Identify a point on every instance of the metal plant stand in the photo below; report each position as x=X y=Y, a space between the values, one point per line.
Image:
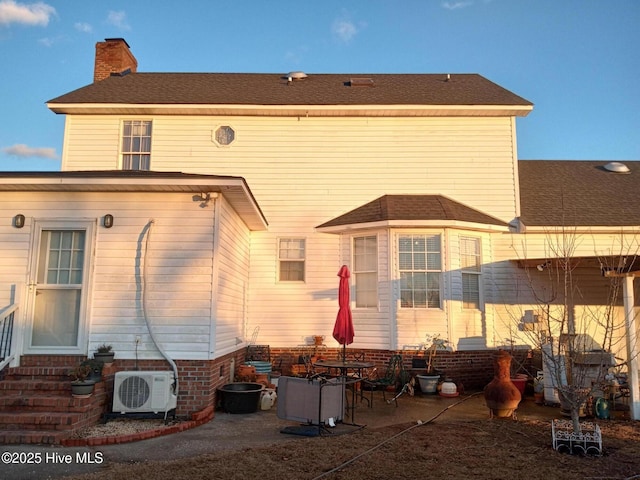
x=587 y=442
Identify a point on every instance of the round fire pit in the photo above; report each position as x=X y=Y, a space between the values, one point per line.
x=241 y=397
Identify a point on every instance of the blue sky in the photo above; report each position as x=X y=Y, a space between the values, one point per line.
x=576 y=60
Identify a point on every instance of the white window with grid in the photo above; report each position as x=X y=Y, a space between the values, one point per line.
x=471 y=267
x=136 y=145
x=365 y=271
x=420 y=266
x=291 y=259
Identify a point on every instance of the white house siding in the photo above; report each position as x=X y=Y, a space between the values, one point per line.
x=178 y=267
x=14 y=251
x=343 y=161
x=91 y=143
x=231 y=277
x=305 y=171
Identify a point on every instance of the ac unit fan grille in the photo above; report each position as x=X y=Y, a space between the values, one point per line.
x=134 y=392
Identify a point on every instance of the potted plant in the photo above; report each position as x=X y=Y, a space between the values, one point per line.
x=538 y=390
x=104 y=353
x=429 y=381
x=96 y=369
x=81 y=385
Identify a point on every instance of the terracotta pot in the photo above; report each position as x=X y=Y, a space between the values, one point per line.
x=501 y=395
x=520 y=381
x=246 y=369
x=246 y=372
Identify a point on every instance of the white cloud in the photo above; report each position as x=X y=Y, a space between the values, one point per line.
x=83 y=27
x=24 y=151
x=296 y=54
x=51 y=41
x=26 y=14
x=46 y=41
x=344 y=30
x=456 y=5
x=118 y=19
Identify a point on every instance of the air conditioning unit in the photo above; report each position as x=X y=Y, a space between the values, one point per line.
x=143 y=392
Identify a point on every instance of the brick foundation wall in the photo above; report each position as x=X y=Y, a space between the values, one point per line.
x=473 y=369
x=198 y=379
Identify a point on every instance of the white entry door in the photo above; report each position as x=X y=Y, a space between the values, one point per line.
x=57 y=289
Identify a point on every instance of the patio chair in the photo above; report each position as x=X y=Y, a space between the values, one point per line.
x=392 y=377
x=357 y=377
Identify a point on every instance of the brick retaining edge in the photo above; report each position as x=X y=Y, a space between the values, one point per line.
x=198 y=418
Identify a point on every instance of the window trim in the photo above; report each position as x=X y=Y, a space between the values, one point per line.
x=355 y=272
x=121 y=151
x=303 y=260
x=439 y=273
x=472 y=272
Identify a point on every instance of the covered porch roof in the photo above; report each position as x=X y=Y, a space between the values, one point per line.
x=608 y=265
x=234 y=189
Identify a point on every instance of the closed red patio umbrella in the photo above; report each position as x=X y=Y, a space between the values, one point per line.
x=343 y=329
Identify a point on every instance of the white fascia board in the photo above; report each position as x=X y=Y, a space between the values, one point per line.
x=234 y=189
x=476 y=227
x=291 y=110
x=89 y=182
x=582 y=229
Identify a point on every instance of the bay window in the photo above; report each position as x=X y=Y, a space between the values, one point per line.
x=365 y=271
x=470 y=264
x=420 y=266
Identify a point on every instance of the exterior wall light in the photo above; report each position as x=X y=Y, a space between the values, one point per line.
x=18 y=221
x=107 y=221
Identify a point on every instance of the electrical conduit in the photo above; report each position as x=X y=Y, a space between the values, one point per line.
x=146 y=232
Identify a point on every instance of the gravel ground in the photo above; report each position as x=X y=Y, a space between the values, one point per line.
x=122 y=426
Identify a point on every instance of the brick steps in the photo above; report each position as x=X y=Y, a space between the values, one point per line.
x=36 y=405
x=8 y=437
x=38 y=420
x=38 y=373
x=31 y=387
x=43 y=403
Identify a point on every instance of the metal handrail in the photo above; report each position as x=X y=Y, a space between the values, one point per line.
x=6 y=331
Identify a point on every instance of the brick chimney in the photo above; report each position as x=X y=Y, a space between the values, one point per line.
x=113 y=56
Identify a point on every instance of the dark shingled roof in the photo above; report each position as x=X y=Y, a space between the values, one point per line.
x=578 y=193
x=412 y=207
x=273 y=89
